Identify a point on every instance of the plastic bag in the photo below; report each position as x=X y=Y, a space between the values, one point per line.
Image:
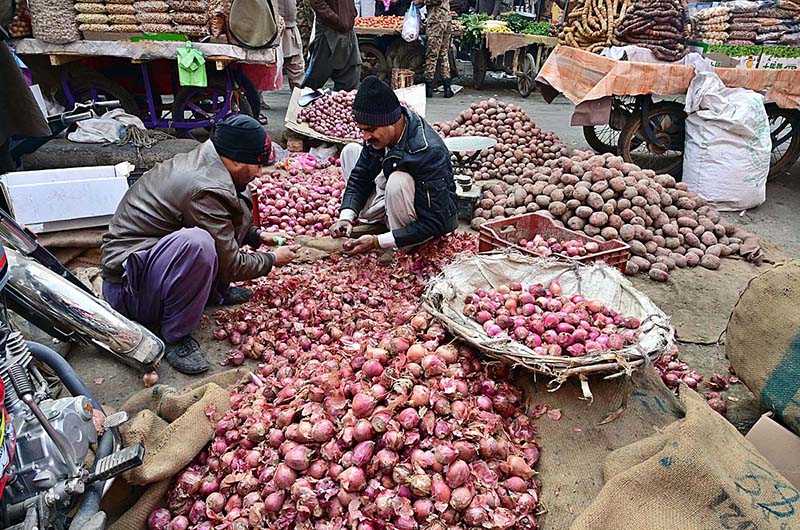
x=411 y=24
x=727 y=152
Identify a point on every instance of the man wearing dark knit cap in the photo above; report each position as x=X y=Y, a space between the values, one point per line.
x=401 y=177
x=174 y=243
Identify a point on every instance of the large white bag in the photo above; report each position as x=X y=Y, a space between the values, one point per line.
x=727 y=152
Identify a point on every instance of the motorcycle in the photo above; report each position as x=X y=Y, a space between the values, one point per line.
x=47 y=482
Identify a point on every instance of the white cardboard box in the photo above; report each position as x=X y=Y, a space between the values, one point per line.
x=779 y=445
x=63 y=199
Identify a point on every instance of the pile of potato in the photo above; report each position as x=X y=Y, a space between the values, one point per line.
x=521 y=146
x=665 y=225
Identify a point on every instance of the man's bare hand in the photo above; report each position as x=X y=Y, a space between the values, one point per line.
x=285 y=255
x=341 y=228
x=363 y=244
x=272 y=238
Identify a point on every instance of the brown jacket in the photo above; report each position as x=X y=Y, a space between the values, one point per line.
x=337 y=14
x=288 y=10
x=192 y=189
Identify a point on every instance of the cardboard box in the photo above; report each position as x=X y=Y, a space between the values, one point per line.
x=779 y=445
x=770 y=62
x=720 y=60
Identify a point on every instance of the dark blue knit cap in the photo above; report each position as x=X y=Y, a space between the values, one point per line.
x=241 y=138
x=376 y=104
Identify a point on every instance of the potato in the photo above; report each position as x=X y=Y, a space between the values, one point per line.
x=658 y=265
x=682 y=186
x=733 y=248
x=708 y=239
x=631 y=268
x=615 y=221
x=671 y=211
x=725 y=251
x=608 y=194
x=660 y=241
x=617 y=184
x=497 y=210
x=666 y=200
x=583 y=212
x=698 y=230
x=709 y=261
x=627 y=214
x=477 y=222
x=609 y=233
x=572 y=204
x=713 y=215
x=651 y=247
x=538 y=188
x=640 y=262
x=637 y=248
x=532 y=207
x=692 y=240
x=672 y=242
x=557 y=208
x=658 y=275
x=557 y=195
x=581 y=193
x=600 y=187
x=638 y=221
x=510 y=212
x=595 y=201
x=670 y=230
x=714 y=250
x=668 y=261
x=719 y=231
x=591 y=230
x=661 y=251
x=543 y=200
x=687 y=222
x=519 y=196
x=627 y=232
x=598 y=219
x=607 y=209
x=630 y=192
x=692 y=259
x=576 y=223
x=639 y=201
x=661 y=220
x=686 y=203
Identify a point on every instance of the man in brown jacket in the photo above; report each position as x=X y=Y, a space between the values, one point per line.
x=334 y=51
x=174 y=243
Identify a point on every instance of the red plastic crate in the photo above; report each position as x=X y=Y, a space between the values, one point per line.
x=507 y=232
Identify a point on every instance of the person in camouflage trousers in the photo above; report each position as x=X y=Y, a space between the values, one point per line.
x=305 y=22
x=438 y=34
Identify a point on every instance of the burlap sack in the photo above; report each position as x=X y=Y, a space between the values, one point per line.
x=174 y=428
x=697 y=474
x=763 y=340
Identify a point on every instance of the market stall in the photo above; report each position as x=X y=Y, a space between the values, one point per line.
x=146 y=60
x=383 y=48
x=618 y=93
x=515 y=45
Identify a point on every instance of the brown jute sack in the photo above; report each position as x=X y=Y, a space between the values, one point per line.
x=763 y=340
x=174 y=427
x=697 y=474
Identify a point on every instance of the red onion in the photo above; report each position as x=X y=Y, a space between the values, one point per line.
x=461 y=497
x=284 y=476
x=457 y=474
x=362 y=454
x=352 y=479
x=178 y=523
x=298 y=458
x=158 y=519
x=363 y=405
x=408 y=418
x=420 y=485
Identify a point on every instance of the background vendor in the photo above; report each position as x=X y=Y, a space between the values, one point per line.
x=174 y=243
x=334 y=53
x=402 y=175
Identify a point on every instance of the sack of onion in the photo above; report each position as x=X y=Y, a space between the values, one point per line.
x=546 y=308
x=413 y=432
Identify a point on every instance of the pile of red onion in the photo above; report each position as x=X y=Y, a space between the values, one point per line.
x=549 y=322
x=304 y=202
x=412 y=432
x=673 y=371
x=332 y=115
x=547 y=247
x=334 y=299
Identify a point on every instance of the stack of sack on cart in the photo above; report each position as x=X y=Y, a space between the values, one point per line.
x=711 y=25
x=745 y=23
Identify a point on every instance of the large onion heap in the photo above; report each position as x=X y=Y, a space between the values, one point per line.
x=304 y=202
x=665 y=224
x=333 y=300
x=413 y=433
x=548 y=322
x=521 y=146
x=332 y=115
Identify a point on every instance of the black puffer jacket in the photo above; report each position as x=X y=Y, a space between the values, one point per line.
x=421 y=153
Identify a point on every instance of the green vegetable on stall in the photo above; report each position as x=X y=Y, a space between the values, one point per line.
x=473 y=27
x=520 y=24
x=785 y=52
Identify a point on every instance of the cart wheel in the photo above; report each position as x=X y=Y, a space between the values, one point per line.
x=479 y=66
x=525 y=74
x=668 y=120
x=784 y=127
x=373 y=62
x=89 y=85
x=198 y=104
x=601 y=138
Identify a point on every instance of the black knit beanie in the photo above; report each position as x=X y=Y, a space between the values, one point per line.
x=241 y=138
x=376 y=104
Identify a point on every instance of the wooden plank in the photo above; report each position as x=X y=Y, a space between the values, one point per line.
x=59 y=60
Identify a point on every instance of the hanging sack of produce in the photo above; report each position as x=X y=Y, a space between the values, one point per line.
x=252 y=23
x=727 y=152
x=54 y=21
x=763 y=340
x=411 y=24
x=698 y=473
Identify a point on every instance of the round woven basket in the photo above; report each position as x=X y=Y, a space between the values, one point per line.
x=444 y=299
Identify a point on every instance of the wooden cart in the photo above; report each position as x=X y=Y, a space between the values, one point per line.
x=516 y=54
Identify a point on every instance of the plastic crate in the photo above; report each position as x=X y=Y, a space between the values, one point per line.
x=507 y=232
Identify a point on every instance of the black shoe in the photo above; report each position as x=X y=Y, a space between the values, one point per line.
x=186 y=356
x=236 y=296
x=428 y=89
x=448 y=90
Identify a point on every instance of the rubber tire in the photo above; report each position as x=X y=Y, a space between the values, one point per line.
x=84 y=80
x=185 y=93
x=626 y=137
x=793 y=152
x=381 y=70
x=597 y=145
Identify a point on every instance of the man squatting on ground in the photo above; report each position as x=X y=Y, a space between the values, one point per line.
x=174 y=243
x=402 y=175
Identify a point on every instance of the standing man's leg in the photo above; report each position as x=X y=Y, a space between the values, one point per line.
x=167 y=287
x=347 y=78
x=295 y=69
x=432 y=46
x=444 y=57
x=319 y=68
